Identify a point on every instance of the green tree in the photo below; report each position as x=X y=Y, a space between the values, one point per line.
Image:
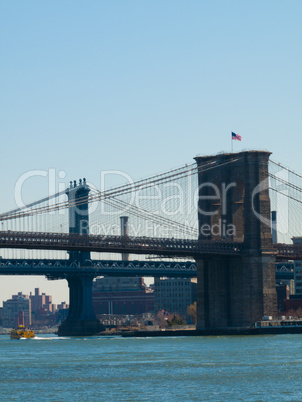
x=176 y=320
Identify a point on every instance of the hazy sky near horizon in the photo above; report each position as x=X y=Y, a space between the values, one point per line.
x=142 y=87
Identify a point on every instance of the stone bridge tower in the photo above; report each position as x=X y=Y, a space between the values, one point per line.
x=234 y=205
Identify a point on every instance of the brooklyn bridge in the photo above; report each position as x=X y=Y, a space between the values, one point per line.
x=211 y=219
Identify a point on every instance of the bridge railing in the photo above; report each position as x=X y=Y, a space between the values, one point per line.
x=101 y=243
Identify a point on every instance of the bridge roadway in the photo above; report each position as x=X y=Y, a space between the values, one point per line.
x=117 y=244
x=288 y=251
x=135 y=245
x=60 y=269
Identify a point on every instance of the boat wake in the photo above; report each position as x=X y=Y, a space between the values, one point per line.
x=49 y=338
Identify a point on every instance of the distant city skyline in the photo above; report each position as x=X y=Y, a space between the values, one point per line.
x=30 y=293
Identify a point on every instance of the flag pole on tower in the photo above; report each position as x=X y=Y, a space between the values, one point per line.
x=235 y=137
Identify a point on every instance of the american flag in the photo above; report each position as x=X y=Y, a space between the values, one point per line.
x=236 y=136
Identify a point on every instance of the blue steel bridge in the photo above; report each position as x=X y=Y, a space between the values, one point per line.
x=160 y=223
x=58 y=269
x=55 y=269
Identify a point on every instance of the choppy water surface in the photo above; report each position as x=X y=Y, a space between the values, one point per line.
x=249 y=368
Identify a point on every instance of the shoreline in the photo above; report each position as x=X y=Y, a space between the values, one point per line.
x=268 y=330
x=216 y=332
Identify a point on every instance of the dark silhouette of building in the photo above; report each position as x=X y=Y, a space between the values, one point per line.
x=174 y=295
x=121 y=296
x=282 y=295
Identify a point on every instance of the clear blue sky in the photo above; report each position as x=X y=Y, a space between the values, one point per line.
x=143 y=86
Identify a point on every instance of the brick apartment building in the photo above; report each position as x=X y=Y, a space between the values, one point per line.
x=13 y=307
x=122 y=296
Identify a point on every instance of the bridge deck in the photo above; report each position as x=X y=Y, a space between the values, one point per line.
x=134 y=245
x=60 y=269
x=57 y=269
x=288 y=251
x=116 y=244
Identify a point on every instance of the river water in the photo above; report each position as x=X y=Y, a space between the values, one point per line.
x=240 y=368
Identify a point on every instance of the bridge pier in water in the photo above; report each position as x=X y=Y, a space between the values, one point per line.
x=236 y=291
x=81 y=320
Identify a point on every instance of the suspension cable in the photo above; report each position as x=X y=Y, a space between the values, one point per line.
x=120 y=190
